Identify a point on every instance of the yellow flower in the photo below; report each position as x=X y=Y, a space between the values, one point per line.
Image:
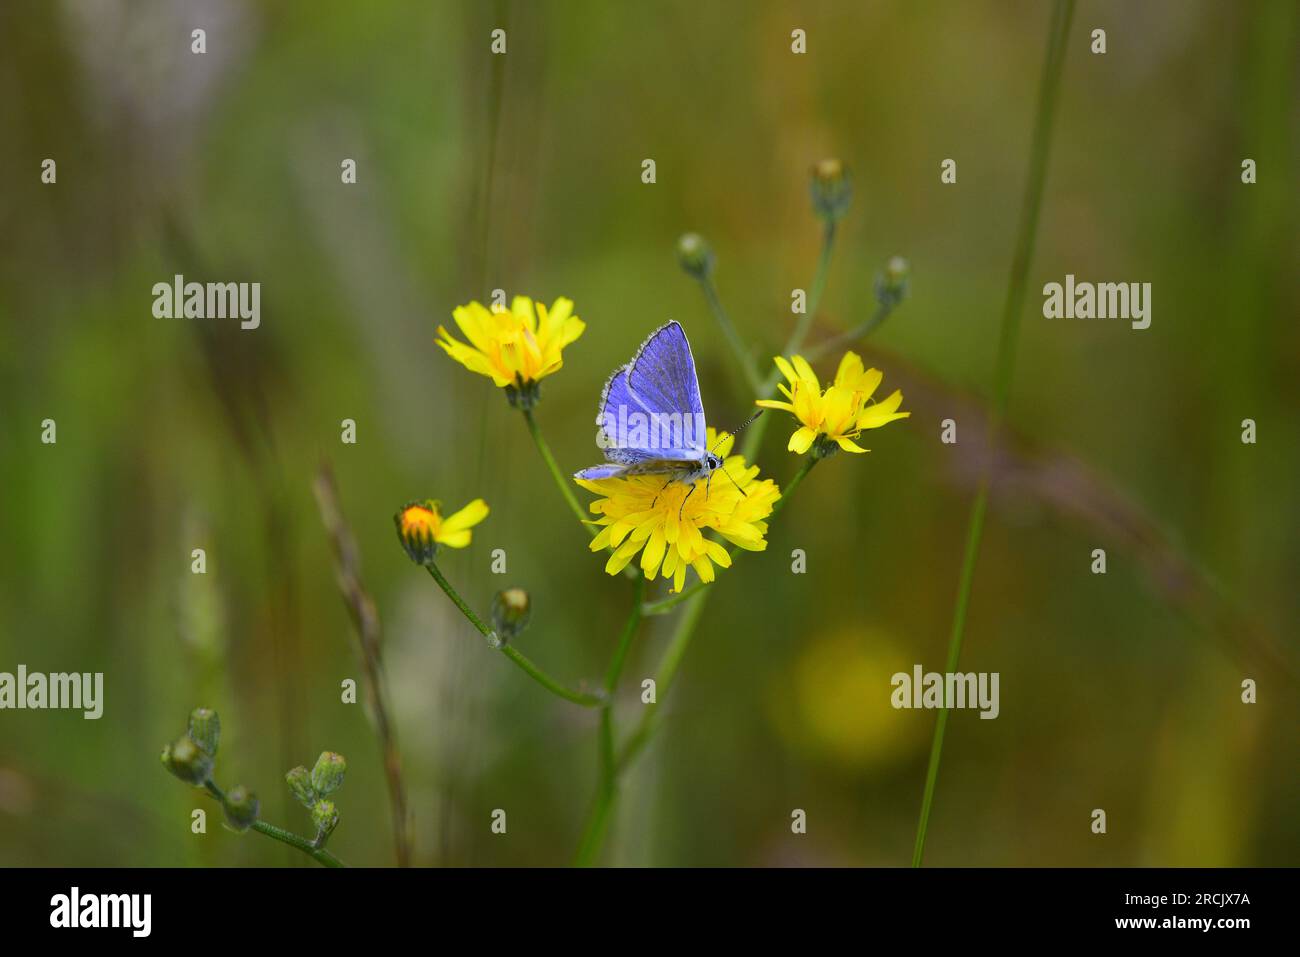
x=421 y=527
x=653 y=515
x=842 y=411
x=515 y=347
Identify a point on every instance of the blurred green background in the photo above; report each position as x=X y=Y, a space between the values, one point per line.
x=523 y=172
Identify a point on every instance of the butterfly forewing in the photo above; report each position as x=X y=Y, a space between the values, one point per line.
x=661 y=376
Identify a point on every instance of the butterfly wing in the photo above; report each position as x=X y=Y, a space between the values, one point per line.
x=661 y=378
x=659 y=382
x=597 y=472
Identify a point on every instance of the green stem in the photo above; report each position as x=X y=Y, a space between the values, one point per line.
x=318 y=854
x=664 y=677
x=565 y=486
x=743 y=357
x=1049 y=87
x=593 y=832
x=754 y=436
x=616 y=664
x=549 y=683
x=518 y=657
x=835 y=343
x=695 y=597
x=804 y=325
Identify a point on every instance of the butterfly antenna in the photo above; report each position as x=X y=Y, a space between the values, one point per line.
x=723 y=437
x=733 y=481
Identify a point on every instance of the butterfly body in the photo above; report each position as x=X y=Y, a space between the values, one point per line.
x=651 y=418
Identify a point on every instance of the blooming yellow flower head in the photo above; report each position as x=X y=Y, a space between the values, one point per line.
x=421 y=527
x=654 y=515
x=516 y=347
x=841 y=412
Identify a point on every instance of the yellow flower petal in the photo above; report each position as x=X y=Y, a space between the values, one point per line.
x=455 y=539
x=802 y=440
x=806 y=373
x=786 y=369
x=467 y=517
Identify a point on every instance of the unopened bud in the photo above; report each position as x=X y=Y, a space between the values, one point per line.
x=240 y=806
x=831 y=189
x=695 y=255
x=511 y=610
x=300 y=784
x=892 y=282
x=326 y=817
x=205 y=730
x=187 y=761
x=327 y=775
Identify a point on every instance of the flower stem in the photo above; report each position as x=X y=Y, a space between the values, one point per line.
x=743 y=357
x=593 y=833
x=319 y=854
x=754 y=436
x=564 y=485
x=804 y=325
x=696 y=597
x=518 y=657
x=1049 y=86
x=835 y=343
x=550 y=684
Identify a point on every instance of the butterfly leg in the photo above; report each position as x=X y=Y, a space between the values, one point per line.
x=688 y=495
x=655 y=500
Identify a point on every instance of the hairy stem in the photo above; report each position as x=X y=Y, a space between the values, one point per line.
x=593 y=833
x=835 y=343
x=318 y=854
x=754 y=437
x=564 y=484
x=1008 y=337
x=518 y=657
x=743 y=357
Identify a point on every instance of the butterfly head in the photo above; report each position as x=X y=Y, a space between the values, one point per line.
x=711 y=462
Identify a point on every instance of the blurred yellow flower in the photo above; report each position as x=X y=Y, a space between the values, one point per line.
x=653 y=515
x=515 y=347
x=832 y=700
x=842 y=411
x=421 y=527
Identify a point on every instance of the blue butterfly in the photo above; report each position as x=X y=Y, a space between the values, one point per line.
x=651 y=419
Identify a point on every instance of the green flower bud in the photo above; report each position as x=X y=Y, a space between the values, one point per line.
x=240 y=806
x=695 y=255
x=205 y=730
x=831 y=189
x=511 y=610
x=892 y=283
x=327 y=775
x=187 y=761
x=326 y=817
x=300 y=784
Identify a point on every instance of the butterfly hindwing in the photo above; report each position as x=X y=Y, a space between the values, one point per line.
x=597 y=472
